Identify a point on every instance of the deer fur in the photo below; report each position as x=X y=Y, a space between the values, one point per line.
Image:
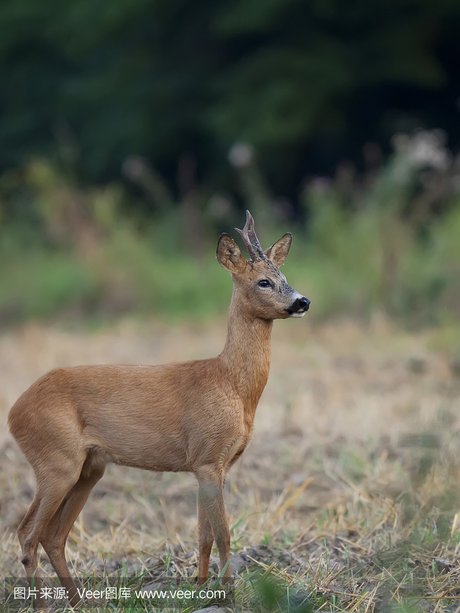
x=193 y=416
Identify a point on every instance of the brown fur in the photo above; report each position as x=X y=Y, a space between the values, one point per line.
x=193 y=416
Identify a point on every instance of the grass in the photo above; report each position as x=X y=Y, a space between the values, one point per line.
x=127 y=273
x=77 y=253
x=346 y=500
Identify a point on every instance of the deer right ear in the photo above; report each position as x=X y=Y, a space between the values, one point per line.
x=229 y=254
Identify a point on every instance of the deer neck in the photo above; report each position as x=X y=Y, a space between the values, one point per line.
x=246 y=354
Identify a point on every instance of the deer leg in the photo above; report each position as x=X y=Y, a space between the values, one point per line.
x=55 y=538
x=210 y=496
x=205 y=539
x=24 y=526
x=29 y=561
x=49 y=496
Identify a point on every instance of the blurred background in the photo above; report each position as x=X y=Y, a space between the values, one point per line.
x=133 y=132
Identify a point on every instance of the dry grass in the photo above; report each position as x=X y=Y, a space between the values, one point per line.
x=346 y=500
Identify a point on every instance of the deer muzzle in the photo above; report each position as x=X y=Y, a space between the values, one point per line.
x=299 y=307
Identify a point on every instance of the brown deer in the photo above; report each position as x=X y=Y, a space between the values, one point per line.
x=192 y=416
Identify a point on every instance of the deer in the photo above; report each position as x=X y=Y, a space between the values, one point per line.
x=194 y=416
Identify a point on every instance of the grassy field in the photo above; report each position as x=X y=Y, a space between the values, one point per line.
x=347 y=499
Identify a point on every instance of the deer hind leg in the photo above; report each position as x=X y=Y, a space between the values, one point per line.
x=55 y=538
x=211 y=498
x=24 y=526
x=52 y=488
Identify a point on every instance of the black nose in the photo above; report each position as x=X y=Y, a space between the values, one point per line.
x=301 y=304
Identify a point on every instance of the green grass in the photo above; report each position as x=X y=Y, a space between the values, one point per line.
x=86 y=254
x=126 y=274
x=39 y=284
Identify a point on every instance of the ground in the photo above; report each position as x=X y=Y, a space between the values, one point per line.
x=347 y=498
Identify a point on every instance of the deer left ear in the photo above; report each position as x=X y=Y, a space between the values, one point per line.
x=278 y=252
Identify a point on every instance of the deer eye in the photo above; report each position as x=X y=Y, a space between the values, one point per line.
x=264 y=283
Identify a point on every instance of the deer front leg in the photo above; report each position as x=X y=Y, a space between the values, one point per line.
x=205 y=541
x=211 y=501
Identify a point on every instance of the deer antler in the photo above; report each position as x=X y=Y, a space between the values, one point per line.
x=251 y=241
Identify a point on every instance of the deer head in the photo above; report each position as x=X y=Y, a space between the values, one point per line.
x=262 y=289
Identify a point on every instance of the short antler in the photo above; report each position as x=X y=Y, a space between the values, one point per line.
x=251 y=241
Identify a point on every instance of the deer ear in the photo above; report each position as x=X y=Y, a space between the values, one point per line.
x=229 y=254
x=278 y=251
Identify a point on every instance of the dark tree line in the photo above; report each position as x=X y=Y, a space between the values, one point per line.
x=306 y=83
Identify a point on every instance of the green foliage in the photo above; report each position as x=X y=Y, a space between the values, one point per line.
x=385 y=251
x=40 y=284
x=89 y=252
x=273 y=594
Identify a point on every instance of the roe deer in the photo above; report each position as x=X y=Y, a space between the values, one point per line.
x=192 y=416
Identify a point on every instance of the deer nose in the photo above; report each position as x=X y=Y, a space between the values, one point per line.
x=300 y=305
